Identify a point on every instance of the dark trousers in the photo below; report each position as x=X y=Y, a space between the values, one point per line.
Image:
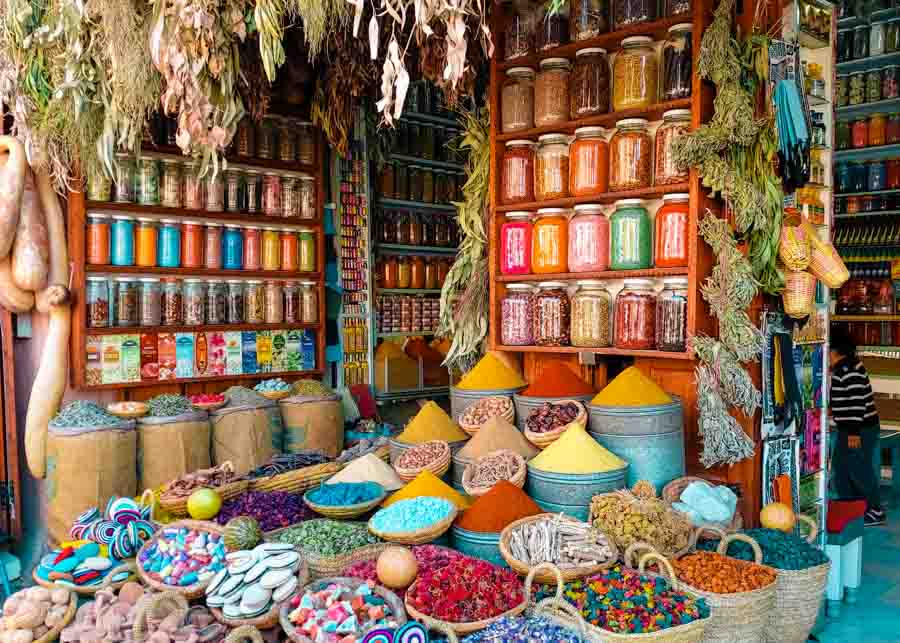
x=853 y=471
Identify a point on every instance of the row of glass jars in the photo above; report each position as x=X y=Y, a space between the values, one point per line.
x=588 y=165
x=868 y=40
x=560 y=92
x=405 y=314
x=416 y=229
x=639 y=319
x=868 y=86
x=875 y=130
x=872 y=176
x=426 y=141
x=401 y=271
x=552 y=242
x=173 y=183
x=873 y=202
x=122 y=240
x=534 y=29
x=148 y=301
x=400 y=180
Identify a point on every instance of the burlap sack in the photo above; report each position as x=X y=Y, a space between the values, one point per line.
x=243 y=435
x=313 y=423
x=86 y=466
x=169 y=447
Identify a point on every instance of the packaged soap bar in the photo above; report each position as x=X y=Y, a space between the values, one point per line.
x=167 y=356
x=279 y=351
x=149 y=357
x=112 y=359
x=264 y=351
x=215 y=344
x=308 y=348
x=184 y=355
x=93 y=361
x=248 y=352
x=293 y=350
x=234 y=360
x=201 y=355
x=131 y=358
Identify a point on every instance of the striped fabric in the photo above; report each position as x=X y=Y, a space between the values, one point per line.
x=852 y=400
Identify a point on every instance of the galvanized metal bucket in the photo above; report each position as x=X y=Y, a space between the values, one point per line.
x=457 y=468
x=571 y=489
x=525 y=405
x=637 y=420
x=461 y=399
x=479 y=545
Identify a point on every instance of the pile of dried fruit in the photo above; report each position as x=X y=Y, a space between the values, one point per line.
x=549 y=416
x=720 y=574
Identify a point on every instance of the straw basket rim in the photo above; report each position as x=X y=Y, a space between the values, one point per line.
x=419 y=536
x=54 y=632
x=508 y=414
x=321 y=566
x=297 y=480
x=344 y=511
x=191 y=591
x=209 y=407
x=269 y=619
x=438 y=466
x=227 y=491
x=129 y=565
x=544 y=439
x=568 y=574
x=518 y=478
x=275 y=395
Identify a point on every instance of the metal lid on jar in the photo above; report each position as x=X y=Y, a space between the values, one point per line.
x=214 y=281
x=149 y=280
x=590 y=50
x=250 y=170
x=290 y=230
x=591 y=283
x=97 y=216
x=590 y=132
x=520 y=71
x=516 y=143
x=551 y=212
x=555 y=137
x=96 y=278
x=519 y=287
x=236 y=282
x=170 y=161
x=213 y=224
x=549 y=63
x=124 y=280
x=122 y=217
x=681 y=26
x=192 y=222
x=677 y=114
x=639 y=283
x=589 y=208
x=675 y=282
x=193 y=280
x=251 y=227
x=303 y=176
x=629 y=203
x=632 y=122
x=551 y=284
x=303 y=229
x=681 y=196
x=254 y=282
x=146 y=220
x=170 y=221
x=633 y=41
x=519 y=215
x=307 y=283
x=232 y=226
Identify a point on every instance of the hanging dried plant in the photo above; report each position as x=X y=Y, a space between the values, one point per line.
x=254 y=86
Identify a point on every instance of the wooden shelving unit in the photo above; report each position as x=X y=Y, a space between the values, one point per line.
x=203 y=272
x=246 y=218
x=129 y=330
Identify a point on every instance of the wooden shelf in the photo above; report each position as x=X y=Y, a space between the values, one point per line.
x=400 y=204
x=652 y=113
x=420 y=333
x=598 y=351
x=409 y=291
x=865 y=318
x=204 y=328
x=399 y=248
x=250 y=218
x=437 y=165
x=202 y=380
x=203 y=272
x=242 y=161
x=654 y=192
x=605 y=274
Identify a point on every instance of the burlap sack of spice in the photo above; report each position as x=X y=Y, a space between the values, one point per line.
x=85 y=468
x=242 y=435
x=169 y=447
x=313 y=423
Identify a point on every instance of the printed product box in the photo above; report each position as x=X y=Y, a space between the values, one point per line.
x=264 y=351
x=184 y=355
x=308 y=348
x=234 y=360
x=215 y=343
x=112 y=359
x=131 y=358
x=93 y=362
x=149 y=357
x=201 y=355
x=248 y=352
x=168 y=359
x=293 y=351
x=279 y=351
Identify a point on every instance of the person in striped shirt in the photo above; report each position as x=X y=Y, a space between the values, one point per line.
x=853 y=412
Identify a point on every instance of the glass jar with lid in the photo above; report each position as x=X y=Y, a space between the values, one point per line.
x=271 y=249
x=678 y=58
x=551 y=92
x=860 y=42
x=252 y=190
x=401 y=181
x=271 y=194
x=552 y=28
x=265 y=138
x=194 y=187
x=307 y=250
x=216 y=302
x=98 y=240
x=307 y=194
x=126 y=302
x=588 y=239
x=417 y=272
x=252 y=248
x=589 y=162
x=630 y=162
x=552 y=167
x=171 y=184
x=291 y=302
x=519 y=37
x=442 y=186
x=274 y=306
x=254 y=302
x=244 y=138
x=215 y=191
x=551 y=320
x=842 y=90
x=194 y=302
x=99 y=186
x=856 y=88
x=235 y=308
x=232 y=247
x=515 y=244
x=290 y=249
x=672 y=231
x=633 y=12
x=873 y=85
x=589 y=84
x=877 y=129
x=636 y=315
x=150 y=302
x=517 y=99
x=414 y=179
x=588 y=19
x=427 y=185
x=234 y=190
x=389 y=272
x=98 y=308
x=550 y=241
x=122 y=240
x=676 y=122
x=431 y=274
x=147 y=180
x=414 y=223
x=287 y=140
x=442 y=232
x=172 y=305
x=517 y=172
x=124 y=175
x=635 y=74
x=631 y=236
x=516 y=315
x=671 y=315
x=306 y=143
x=168 y=251
x=877 y=35
x=404 y=273
x=192 y=244
x=309 y=302
x=591 y=315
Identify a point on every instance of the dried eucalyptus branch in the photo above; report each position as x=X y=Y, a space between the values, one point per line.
x=724 y=441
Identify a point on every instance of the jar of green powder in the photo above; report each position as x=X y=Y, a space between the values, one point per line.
x=631 y=236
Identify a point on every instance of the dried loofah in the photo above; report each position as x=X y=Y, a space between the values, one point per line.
x=644 y=489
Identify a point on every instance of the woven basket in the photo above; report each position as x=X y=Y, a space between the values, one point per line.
x=347 y=511
x=228 y=491
x=825 y=262
x=390 y=598
x=67 y=618
x=270 y=619
x=438 y=466
x=298 y=480
x=90 y=590
x=322 y=566
x=509 y=414
x=546 y=577
x=419 y=536
x=740 y=617
x=518 y=478
x=691 y=541
x=794 y=247
x=671 y=493
x=384 y=453
x=799 y=293
x=244 y=633
x=544 y=440
x=275 y=395
x=191 y=591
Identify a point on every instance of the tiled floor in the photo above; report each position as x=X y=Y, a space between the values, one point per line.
x=876 y=616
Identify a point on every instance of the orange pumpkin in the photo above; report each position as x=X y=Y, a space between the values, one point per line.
x=777 y=515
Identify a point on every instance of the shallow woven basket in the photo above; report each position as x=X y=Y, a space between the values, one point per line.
x=544 y=440
x=799 y=293
x=390 y=598
x=825 y=262
x=85 y=590
x=191 y=591
x=541 y=575
x=68 y=617
x=517 y=479
x=322 y=566
x=419 y=536
x=298 y=480
x=275 y=395
x=509 y=414
x=345 y=512
x=228 y=491
x=270 y=619
x=439 y=466
x=671 y=493
x=739 y=617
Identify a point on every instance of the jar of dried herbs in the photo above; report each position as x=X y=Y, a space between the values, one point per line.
x=194 y=302
x=309 y=302
x=274 y=308
x=306 y=143
x=633 y=12
x=677 y=60
x=148 y=180
x=291 y=302
x=676 y=122
x=265 y=139
x=254 y=302
x=552 y=167
x=591 y=315
x=216 y=302
x=519 y=37
x=635 y=74
x=551 y=322
x=172 y=307
x=588 y=18
x=552 y=29
x=171 y=184
x=97 y=302
x=235 y=304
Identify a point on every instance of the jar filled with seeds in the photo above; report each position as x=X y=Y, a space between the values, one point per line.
x=519 y=37
x=148 y=180
x=265 y=139
x=677 y=60
x=873 y=85
x=150 y=302
x=591 y=315
x=589 y=85
x=842 y=90
x=97 y=302
x=194 y=188
x=636 y=315
x=588 y=18
x=252 y=190
x=516 y=316
x=234 y=198
x=215 y=191
x=171 y=184
x=309 y=302
x=124 y=181
x=235 y=308
x=857 y=90
x=291 y=302
x=290 y=198
x=589 y=162
x=306 y=143
x=588 y=239
x=671 y=315
x=517 y=172
x=635 y=74
x=676 y=122
x=550 y=241
x=632 y=12
x=172 y=306
x=551 y=92
x=517 y=99
x=287 y=142
x=630 y=165
x=678 y=8
x=552 y=167
x=631 y=236
x=551 y=322
x=194 y=302
x=254 y=302
x=274 y=309
x=216 y=302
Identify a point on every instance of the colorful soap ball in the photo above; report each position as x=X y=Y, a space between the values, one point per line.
x=79 y=563
x=339 y=612
x=182 y=557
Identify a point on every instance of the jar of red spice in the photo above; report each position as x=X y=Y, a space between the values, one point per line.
x=588 y=239
x=672 y=231
x=290 y=249
x=516 y=315
x=550 y=241
x=192 y=244
x=551 y=321
x=389 y=272
x=630 y=152
x=635 y=327
x=860 y=133
x=515 y=244
x=431 y=274
x=517 y=172
x=417 y=272
x=98 y=239
x=589 y=162
x=892 y=129
x=252 y=248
